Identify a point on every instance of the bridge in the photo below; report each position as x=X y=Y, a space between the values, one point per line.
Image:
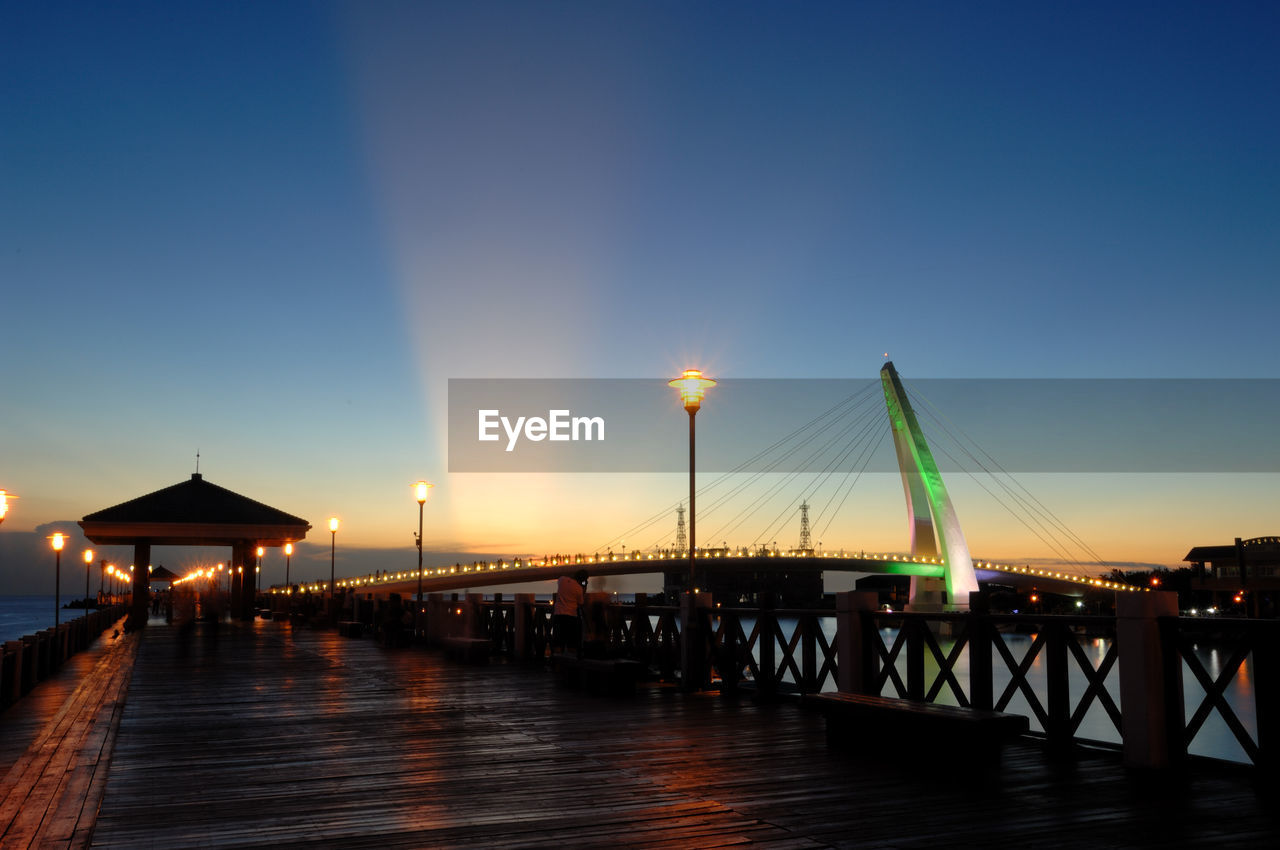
x=942 y=571
x=480 y=574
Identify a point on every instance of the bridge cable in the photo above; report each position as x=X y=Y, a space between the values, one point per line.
x=1042 y=516
x=771 y=491
x=1033 y=507
x=666 y=511
x=868 y=428
x=742 y=487
x=769 y=532
x=849 y=489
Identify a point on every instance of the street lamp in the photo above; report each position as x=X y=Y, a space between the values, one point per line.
x=58 y=542
x=88 y=562
x=258 y=569
x=693 y=387
x=333 y=547
x=288 y=554
x=421 y=490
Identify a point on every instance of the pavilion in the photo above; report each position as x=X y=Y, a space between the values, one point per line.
x=194 y=513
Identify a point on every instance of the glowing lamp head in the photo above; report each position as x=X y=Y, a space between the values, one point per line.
x=58 y=541
x=88 y=556
x=420 y=491
x=288 y=548
x=693 y=387
x=333 y=525
x=261 y=551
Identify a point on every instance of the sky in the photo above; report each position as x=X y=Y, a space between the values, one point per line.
x=272 y=233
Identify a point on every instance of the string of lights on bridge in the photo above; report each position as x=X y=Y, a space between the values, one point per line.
x=479 y=567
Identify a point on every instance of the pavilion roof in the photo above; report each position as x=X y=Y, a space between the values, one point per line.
x=193 y=512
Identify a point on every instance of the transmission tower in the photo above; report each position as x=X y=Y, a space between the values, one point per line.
x=806 y=541
x=682 y=536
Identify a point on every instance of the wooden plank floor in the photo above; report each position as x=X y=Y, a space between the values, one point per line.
x=57 y=745
x=267 y=736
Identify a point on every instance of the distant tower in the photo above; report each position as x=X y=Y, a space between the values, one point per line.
x=682 y=536
x=806 y=541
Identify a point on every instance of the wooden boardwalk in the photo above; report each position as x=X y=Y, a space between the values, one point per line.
x=265 y=736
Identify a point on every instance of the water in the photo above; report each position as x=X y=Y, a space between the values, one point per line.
x=25 y=615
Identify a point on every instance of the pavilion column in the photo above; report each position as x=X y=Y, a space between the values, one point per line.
x=241 y=569
x=141 y=587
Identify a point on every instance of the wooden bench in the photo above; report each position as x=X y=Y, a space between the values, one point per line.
x=468 y=650
x=351 y=628
x=884 y=724
x=601 y=675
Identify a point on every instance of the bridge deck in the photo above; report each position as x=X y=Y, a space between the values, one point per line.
x=266 y=736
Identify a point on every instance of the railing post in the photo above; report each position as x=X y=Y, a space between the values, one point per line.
x=808 y=654
x=694 y=611
x=981 y=682
x=915 y=656
x=522 y=644
x=730 y=669
x=855 y=654
x=1151 y=708
x=1057 y=686
x=13 y=681
x=437 y=615
x=1266 y=689
x=472 y=623
x=766 y=646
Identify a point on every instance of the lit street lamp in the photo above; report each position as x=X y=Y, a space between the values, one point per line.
x=288 y=554
x=58 y=541
x=88 y=562
x=693 y=387
x=258 y=569
x=421 y=491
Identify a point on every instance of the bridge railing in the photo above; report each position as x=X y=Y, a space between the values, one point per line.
x=1114 y=681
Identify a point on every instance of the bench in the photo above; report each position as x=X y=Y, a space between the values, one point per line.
x=601 y=675
x=900 y=725
x=468 y=650
x=351 y=628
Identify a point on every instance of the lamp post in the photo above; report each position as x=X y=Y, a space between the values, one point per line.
x=333 y=548
x=88 y=562
x=420 y=491
x=58 y=542
x=288 y=554
x=693 y=387
x=257 y=569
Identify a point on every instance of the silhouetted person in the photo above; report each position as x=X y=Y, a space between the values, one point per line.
x=566 y=615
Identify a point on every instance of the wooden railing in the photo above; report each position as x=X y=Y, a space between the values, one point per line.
x=967 y=659
x=1253 y=641
x=26 y=662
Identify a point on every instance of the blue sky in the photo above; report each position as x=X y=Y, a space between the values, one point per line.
x=272 y=232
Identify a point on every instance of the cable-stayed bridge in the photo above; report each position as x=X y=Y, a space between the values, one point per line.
x=939 y=563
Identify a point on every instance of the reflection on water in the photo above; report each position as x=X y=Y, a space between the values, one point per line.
x=1214 y=738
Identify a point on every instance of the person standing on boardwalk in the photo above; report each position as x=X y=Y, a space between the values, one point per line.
x=566 y=622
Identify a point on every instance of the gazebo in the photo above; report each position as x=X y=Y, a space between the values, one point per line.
x=194 y=513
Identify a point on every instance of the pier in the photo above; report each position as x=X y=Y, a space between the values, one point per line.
x=256 y=734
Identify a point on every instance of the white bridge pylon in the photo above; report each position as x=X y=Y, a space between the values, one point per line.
x=935 y=529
